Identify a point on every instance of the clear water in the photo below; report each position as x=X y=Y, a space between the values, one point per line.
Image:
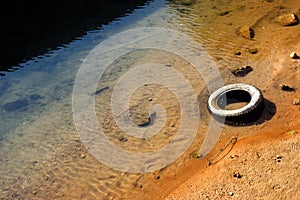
x=42 y=156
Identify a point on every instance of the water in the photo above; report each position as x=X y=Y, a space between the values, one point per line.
x=42 y=156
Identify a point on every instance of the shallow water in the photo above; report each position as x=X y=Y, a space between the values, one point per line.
x=42 y=156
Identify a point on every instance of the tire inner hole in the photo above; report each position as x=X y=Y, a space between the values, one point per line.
x=233 y=99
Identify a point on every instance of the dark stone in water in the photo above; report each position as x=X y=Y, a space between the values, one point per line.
x=35 y=97
x=18 y=105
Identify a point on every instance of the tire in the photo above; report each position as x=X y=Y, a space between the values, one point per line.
x=235 y=93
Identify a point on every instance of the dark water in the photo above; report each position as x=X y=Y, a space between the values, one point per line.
x=31 y=28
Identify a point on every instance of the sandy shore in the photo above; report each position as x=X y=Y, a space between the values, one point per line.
x=265 y=165
x=256 y=168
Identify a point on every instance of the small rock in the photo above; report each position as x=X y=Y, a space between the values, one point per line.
x=237 y=53
x=287 y=19
x=253 y=50
x=246 y=32
x=47 y=178
x=296 y=101
x=34 y=192
x=150 y=99
x=82 y=156
x=141 y=119
x=237 y=175
x=123 y=139
x=286 y=87
x=241 y=71
x=294 y=55
x=34 y=163
x=231 y=193
x=194 y=154
x=223 y=13
x=18 y=105
x=278 y=158
x=35 y=97
x=234 y=156
x=292 y=132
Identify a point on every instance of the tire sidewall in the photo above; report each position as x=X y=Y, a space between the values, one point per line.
x=255 y=101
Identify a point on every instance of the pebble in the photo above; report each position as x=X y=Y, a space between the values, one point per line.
x=223 y=13
x=237 y=175
x=82 y=156
x=123 y=139
x=286 y=87
x=292 y=132
x=296 y=101
x=294 y=55
x=47 y=178
x=234 y=156
x=241 y=71
x=246 y=32
x=278 y=158
x=142 y=120
x=231 y=193
x=253 y=50
x=287 y=19
x=237 y=53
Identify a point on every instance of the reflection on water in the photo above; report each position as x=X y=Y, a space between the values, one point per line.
x=42 y=156
x=31 y=28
